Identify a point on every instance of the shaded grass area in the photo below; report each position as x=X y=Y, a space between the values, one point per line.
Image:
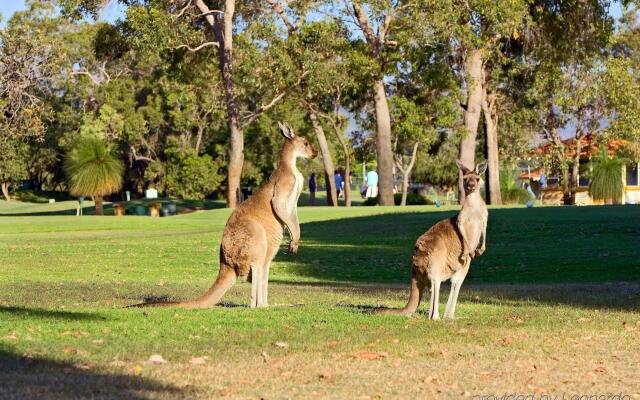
x=30 y=203
x=551 y=307
x=69 y=207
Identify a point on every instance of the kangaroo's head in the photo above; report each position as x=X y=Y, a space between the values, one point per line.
x=297 y=144
x=472 y=178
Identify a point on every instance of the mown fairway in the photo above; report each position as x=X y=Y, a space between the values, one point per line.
x=552 y=307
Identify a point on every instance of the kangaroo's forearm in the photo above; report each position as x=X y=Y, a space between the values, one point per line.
x=465 y=240
x=294 y=228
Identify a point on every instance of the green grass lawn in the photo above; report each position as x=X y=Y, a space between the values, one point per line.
x=552 y=307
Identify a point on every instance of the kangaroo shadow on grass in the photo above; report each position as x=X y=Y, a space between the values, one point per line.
x=27 y=377
x=620 y=296
x=45 y=313
x=162 y=299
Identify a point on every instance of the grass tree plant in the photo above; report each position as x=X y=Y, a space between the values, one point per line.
x=606 y=183
x=93 y=170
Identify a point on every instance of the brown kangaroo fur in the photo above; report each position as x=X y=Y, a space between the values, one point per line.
x=445 y=251
x=252 y=235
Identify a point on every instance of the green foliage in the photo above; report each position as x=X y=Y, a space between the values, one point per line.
x=606 y=182
x=13 y=162
x=93 y=168
x=189 y=176
x=436 y=165
x=413 y=199
x=107 y=125
x=370 y=201
x=511 y=192
x=33 y=196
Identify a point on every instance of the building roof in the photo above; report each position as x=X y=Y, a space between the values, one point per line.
x=533 y=175
x=589 y=146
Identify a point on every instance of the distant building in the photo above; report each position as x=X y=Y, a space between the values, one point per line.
x=589 y=149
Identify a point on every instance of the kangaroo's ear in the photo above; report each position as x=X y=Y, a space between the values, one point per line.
x=462 y=168
x=286 y=130
x=480 y=168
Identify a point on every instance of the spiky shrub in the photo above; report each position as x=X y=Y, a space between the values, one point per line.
x=94 y=170
x=510 y=191
x=606 y=182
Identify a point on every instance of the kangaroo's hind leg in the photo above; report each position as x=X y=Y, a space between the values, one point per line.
x=255 y=285
x=456 y=283
x=435 y=298
x=255 y=252
x=273 y=246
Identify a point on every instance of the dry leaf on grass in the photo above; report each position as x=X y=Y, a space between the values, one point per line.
x=370 y=355
x=157 y=359
x=324 y=375
x=505 y=341
x=277 y=363
x=199 y=360
x=76 y=334
x=282 y=345
x=429 y=379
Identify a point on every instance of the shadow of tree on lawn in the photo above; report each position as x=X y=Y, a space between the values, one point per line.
x=26 y=377
x=46 y=313
x=540 y=245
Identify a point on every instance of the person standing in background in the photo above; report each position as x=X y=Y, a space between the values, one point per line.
x=338 y=180
x=372 y=184
x=312 y=189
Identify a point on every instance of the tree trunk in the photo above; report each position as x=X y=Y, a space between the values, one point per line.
x=383 y=145
x=223 y=29
x=199 y=140
x=347 y=168
x=98 y=204
x=491 y=129
x=5 y=191
x=327 y=161
x=236 y=161
x=473 y=71
x=406 y=173
x=347 y=181
x=575 y=170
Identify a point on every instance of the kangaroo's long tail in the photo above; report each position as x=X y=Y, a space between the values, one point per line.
x=226 y=278
x=416 y=290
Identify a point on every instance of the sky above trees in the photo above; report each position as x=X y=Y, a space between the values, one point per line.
x=8 y=7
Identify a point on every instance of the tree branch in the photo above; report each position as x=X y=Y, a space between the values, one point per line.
x=137 y=157
x=413 y=156
x=183 y=10
x=279 y=9
x=385 y=28
x=96 y=81
x=206 y=12
x=260 y=110
x=194 y=49
x=365 y=26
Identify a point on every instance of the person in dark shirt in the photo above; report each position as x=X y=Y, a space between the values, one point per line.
x=338 y=180
x=312 y=189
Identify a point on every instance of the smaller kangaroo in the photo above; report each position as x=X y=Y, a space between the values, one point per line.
x=252 y=235
x=445 y=251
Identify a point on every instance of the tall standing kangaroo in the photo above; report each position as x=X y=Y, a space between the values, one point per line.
x=445 y=251
x=252 y=235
